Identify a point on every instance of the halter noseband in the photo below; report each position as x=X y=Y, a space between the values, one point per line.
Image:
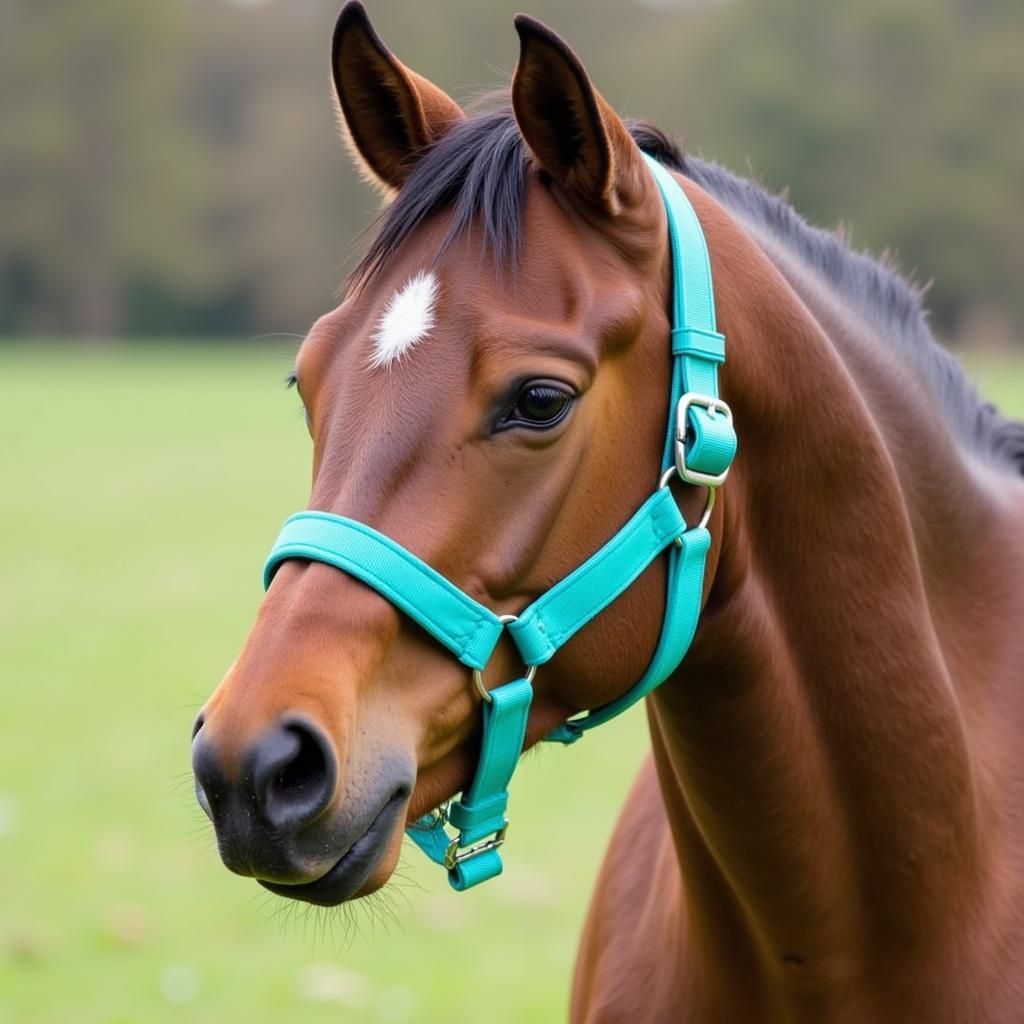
x=699 y=446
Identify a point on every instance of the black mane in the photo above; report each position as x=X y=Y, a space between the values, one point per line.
x=479 y=170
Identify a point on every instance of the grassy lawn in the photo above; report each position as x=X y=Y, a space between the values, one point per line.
x=141 y=489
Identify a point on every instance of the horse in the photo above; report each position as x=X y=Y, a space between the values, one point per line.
x=829 y=825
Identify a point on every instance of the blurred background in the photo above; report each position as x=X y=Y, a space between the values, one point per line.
x=172 y=168
x=175 y=210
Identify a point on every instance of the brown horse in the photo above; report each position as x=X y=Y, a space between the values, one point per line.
x=830 y=826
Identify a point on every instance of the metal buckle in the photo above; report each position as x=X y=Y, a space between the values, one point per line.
x=453 y=855
x=478 y=676
x=713 y=406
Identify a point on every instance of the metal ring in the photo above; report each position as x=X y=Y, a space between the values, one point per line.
x=706 y=517
x=478 y=676
x=438 y=817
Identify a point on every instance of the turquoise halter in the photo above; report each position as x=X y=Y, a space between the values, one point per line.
x=699 y=446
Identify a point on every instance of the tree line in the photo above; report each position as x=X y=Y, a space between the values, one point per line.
x=173 y=167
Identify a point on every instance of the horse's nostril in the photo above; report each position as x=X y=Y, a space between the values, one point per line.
x=199 y=724
x=294 y=773
x=206 y=770
x=303 y=776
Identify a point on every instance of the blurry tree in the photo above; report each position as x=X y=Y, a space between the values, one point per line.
x=98 y=172
x=172 y=166
x=905 y=119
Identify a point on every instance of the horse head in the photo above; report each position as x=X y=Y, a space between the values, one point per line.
x=491 y=394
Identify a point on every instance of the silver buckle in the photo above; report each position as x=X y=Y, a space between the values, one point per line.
x=453 y=855
x=713 y=407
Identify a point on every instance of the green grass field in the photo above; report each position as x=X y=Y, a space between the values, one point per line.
x=141 y=489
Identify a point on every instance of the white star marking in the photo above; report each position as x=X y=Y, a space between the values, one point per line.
x=406 y=320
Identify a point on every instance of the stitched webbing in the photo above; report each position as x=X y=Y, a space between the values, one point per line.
x=697 y=349
x=570 y=604
x=468 y=629
x=481 y=811
x=697 y=346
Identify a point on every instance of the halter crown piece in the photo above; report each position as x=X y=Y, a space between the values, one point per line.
x=699 y=446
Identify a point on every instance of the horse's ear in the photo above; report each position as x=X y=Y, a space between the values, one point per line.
x=570 y=128
x=389 y=114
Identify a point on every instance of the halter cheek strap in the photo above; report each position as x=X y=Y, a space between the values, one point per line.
x=699 y=446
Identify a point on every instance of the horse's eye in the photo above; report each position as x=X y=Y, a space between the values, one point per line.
x=539 y=405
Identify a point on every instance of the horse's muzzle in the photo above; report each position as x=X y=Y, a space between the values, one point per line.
x=350 y=874
x=276 y=820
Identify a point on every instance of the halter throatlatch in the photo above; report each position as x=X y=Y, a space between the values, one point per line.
x=699 y=447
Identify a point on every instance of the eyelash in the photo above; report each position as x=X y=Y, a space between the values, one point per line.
x=292 y=382
x=553 y=389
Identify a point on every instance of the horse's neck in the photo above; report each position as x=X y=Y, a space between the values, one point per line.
x=818 y=752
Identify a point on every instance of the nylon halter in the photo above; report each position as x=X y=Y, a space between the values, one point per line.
x=699 y=446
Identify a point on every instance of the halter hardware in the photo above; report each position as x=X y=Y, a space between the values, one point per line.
x=709 y=504
x=711 y=406
x=453 y=856
x=700 y=444
x=478 y=675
